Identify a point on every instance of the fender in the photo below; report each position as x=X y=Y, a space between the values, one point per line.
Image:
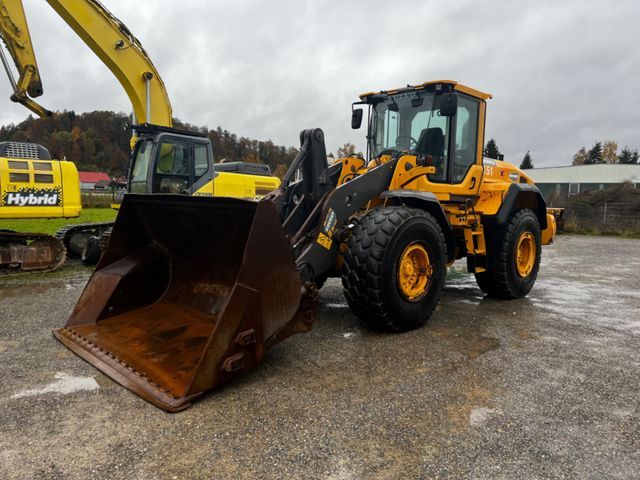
x=523 y=195
x=428 y=202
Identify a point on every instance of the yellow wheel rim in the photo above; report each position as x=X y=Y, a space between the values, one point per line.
x=414 y=272
x=525 y=254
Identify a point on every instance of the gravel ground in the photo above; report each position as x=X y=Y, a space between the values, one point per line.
x=543 y=387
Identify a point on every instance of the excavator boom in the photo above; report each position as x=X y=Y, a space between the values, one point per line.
x=122 y=53
x=107 y=37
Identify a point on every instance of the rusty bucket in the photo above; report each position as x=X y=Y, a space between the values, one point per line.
x=189 y=294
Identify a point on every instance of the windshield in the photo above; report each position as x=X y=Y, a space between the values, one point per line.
x=140 y=167
x=409 y=122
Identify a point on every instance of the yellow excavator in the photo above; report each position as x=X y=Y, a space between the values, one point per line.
x=192 y=291
x=164 y=159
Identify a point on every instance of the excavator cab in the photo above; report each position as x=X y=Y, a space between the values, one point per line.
x=167 y=160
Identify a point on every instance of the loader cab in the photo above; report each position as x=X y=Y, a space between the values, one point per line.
x=441 y=122
x=170 y=162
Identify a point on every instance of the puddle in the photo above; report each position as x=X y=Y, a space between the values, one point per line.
x=590 y=302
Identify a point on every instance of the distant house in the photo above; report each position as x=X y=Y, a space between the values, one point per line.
x=88 y=180
x=557 y=184
x=121 y=183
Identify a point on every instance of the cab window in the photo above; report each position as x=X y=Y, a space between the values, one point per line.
x=201 y=163
x=172 y=173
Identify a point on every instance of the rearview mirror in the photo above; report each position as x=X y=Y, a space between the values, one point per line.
x=356 y=118
x=447 y=104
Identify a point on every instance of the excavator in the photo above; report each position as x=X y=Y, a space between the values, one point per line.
x=164 y=159
x=192 y=291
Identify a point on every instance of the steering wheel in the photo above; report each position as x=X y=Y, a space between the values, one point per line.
x=413 y=143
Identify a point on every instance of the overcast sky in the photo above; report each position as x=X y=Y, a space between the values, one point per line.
x=563 y=73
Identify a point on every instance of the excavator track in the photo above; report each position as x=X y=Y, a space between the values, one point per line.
x=30 y=252
x=66 y=235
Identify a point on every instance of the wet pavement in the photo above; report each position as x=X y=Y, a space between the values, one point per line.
x=543 y=387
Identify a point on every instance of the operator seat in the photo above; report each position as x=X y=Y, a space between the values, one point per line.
x=431 y=142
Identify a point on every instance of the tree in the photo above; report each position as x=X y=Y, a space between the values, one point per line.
x=346 y=150
x=626 y=156
x=527 y=161
x=595 y=154
x=491 y=150
x=610 y=151
x=581 y=157
x=635 y=157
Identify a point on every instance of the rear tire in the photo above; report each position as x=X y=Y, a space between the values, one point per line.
x=506 y=276
x=394 y=267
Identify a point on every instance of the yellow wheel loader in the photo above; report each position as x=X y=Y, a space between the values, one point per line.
x=192 y=291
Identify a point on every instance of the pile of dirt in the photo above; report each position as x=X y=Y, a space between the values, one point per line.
x=624 y=193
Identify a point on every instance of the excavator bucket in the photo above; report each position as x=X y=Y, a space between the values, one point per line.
x=188 y=294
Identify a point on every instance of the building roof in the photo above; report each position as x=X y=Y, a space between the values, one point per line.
x=599 y=173
x=93 y=177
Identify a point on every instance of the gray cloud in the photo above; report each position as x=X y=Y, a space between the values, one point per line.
x=563 y=74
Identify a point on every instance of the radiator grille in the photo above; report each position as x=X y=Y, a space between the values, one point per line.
x=31 y=151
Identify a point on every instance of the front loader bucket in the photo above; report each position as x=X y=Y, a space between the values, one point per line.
x=188 y=294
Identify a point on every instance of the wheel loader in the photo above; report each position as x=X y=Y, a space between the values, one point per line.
x=192 y=291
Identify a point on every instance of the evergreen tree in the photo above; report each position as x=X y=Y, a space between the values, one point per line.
x=491 y=150
x=635 y=157
x=527 y=161
x=626 y=156
x=595 y=154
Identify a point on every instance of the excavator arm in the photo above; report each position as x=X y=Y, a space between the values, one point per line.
x=14 y=31
x=107 y=37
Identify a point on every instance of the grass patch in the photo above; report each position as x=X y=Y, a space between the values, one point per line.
x=52 y=225
x=36 y=277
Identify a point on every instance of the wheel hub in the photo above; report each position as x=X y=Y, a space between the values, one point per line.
x=525 y=254
x=414 y=271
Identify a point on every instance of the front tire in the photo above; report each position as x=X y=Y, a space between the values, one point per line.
x=394 y=267
x=514 y=257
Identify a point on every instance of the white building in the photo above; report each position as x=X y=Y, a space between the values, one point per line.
x=559 y=183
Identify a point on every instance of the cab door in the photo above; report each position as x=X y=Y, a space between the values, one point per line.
x=461 y=173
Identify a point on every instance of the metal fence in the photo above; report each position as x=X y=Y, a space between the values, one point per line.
x=610 y=218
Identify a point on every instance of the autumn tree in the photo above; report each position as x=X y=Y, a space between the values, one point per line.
x=527 y=161
x=581 y=157
x=491 y=150
x=346 y=150
x=610 y=151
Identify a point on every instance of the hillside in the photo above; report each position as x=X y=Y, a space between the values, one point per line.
x=99 y=141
